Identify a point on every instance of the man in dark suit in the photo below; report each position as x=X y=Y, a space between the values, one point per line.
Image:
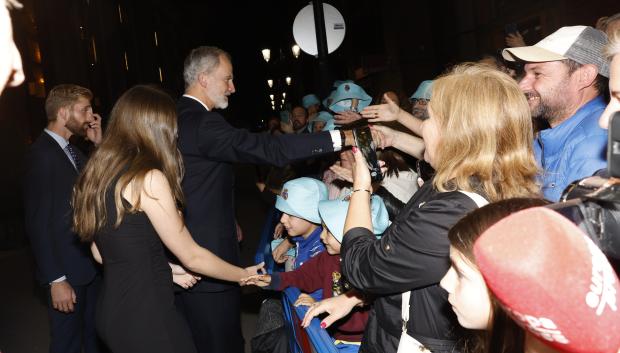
x=64 y=264
x=209 y=146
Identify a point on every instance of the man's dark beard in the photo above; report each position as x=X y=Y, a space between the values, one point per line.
x=297 y=125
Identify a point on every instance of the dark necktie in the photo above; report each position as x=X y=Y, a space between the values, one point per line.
x=74 y=156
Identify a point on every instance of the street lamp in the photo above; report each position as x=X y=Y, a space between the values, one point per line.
x=266 y=54
x=288 y=80
x=270 y=83
x=296 y=50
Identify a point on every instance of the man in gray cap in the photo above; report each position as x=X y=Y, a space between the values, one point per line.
x=565 y=77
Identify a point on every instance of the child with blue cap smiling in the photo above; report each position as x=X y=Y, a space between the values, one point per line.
x=323 y=271
x=299 y=203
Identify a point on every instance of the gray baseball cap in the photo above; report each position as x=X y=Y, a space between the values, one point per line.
x=582 y=44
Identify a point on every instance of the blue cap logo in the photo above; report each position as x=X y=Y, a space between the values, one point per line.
x=285 y=194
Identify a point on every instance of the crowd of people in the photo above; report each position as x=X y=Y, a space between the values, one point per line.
x=453 y=250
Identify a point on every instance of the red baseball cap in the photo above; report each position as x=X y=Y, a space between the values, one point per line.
x=553 y=280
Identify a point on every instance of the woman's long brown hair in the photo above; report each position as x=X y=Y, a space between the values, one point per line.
x=140 y=137
x=503 y=335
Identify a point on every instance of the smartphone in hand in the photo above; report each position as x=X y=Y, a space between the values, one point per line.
x=363 y=141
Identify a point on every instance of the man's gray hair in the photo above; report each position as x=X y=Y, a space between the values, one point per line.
x=202 y=59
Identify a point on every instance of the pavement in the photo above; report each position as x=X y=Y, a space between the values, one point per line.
x=24 y=326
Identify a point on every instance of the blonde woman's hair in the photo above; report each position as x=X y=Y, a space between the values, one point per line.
x=486 y=134
x=613 y=47
x=140 y=137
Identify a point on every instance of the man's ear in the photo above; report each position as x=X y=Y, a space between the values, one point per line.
x=202 y=79
x=63 y=114
x=587 y=75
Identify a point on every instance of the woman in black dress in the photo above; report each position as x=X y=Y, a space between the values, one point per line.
x=127 y=200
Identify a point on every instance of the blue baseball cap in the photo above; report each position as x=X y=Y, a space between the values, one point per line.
x=325 y=117
x=334 y=212
x=424 y=91
x=310 y=100
x=300 y=198
x=339 y=82
x=345 y=93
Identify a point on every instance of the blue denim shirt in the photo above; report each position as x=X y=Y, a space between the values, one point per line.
x=572 y=150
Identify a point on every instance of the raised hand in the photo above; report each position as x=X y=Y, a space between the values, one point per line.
x=93 y=132
x=382 y=112
x=515 y=40
x=346 y=117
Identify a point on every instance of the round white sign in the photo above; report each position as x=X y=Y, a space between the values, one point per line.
x=304 y=31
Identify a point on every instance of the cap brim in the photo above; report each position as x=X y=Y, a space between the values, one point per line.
x=531 y=54
x=283 y=206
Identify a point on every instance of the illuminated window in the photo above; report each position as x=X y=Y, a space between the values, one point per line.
x=161 y=76
x=126 y=62
x=120 y=13
x=156 y=41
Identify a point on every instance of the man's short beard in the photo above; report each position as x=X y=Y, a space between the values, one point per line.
x=297 y=125
x=548 y=113
x=75 y=127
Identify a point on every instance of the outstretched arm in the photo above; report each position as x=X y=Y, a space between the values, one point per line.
x=157 y=202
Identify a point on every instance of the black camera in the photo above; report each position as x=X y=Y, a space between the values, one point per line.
x=363 y=141
x=593 y=203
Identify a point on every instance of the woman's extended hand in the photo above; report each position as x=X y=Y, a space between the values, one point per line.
x=257 y=280
x=337 y=308
x=257 y=269
x=382 y=112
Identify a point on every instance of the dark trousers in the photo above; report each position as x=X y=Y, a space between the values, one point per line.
x=72 y=331
x=214 y=319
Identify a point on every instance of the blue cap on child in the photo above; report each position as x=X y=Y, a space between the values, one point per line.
x=424 y=91
x=300 y=198
x=325 y=117
x=343 y=98
x=334 y=212
x=310 y=100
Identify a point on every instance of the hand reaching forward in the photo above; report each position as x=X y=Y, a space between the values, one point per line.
x=346 y=117
x=305 y=300
x=337 y=308
x=382 y=112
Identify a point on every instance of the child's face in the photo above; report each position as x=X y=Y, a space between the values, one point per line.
x=467 y=292
x=296 y=226
x=331 y=244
